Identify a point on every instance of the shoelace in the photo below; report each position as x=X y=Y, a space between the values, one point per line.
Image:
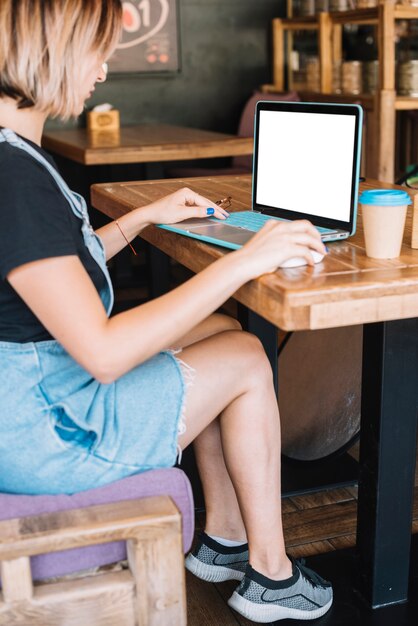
x=312 y=577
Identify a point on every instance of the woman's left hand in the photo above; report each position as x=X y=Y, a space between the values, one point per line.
x=182 y=205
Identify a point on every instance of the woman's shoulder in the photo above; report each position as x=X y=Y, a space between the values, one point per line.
x=21 y=173
x=15 y=160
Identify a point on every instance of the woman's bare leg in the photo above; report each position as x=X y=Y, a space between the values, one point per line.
x=215 y=323
x=234 y=380
x=223 y=516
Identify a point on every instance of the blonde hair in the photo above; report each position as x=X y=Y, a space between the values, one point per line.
x=43 y=43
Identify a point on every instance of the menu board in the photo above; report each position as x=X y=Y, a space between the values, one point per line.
x=149 y=40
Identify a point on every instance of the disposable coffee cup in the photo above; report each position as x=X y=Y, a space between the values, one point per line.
x=384 y=213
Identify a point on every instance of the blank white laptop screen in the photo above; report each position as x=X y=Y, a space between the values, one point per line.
x=305 y=162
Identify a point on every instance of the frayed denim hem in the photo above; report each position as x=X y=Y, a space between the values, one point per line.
x=188 y=374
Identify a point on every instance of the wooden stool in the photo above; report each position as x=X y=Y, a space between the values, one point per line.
x=150 y=593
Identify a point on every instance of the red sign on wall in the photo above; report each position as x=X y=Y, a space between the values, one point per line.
x=150 y=37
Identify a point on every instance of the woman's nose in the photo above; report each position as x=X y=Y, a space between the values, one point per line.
x=102 y=73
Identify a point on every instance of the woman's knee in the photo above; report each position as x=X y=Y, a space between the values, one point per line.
x=227 y=365
x=213 y=325
x=223 y=323
x=249 y=353
x=231 y=358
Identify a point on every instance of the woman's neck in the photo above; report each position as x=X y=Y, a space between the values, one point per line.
x=28 y=123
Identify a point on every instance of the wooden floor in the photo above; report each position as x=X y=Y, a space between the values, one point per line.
x=314 y=524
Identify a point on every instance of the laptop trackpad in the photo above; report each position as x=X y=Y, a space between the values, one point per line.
x=223 y=232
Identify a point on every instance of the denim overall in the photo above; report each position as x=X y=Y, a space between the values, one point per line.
x=61 y=431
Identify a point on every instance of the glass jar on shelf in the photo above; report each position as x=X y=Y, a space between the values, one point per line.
x=340 y=5
x=370 y=76
x=351 y=77
x=336 y=77
x=312 y=74
x=407 y=58
x=298 y=71
x=306 y=8
x=321 y=6
x=407 y=78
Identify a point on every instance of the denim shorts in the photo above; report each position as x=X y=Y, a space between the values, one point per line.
x=61 y=431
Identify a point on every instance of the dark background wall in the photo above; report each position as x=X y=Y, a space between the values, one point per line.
x=225 y=55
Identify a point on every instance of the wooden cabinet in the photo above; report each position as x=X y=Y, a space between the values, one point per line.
x=380 y=108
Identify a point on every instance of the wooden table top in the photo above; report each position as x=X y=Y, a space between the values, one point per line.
x=347 y=288
x=143 y=143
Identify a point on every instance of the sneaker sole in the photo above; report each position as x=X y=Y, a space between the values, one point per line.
x=264 y=614
x=211 y=573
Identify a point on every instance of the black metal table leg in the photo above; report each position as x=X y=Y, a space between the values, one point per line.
x=387 y=459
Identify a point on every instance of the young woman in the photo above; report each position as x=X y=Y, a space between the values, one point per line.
x=87 y=399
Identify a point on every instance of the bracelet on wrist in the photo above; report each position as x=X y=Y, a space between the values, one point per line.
x=125 y=238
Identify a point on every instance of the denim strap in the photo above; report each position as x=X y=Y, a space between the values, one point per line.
x=79 y=208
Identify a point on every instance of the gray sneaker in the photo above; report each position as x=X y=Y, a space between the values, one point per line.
x=213 y=562
x=304 y=596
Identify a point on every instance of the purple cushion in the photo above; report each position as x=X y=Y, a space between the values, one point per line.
x=171 y=481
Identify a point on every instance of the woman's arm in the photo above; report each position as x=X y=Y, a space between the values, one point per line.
x=63 y=297
x=131 y=225
x=180 y=205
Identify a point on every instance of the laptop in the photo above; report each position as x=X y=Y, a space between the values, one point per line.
x=306 y=165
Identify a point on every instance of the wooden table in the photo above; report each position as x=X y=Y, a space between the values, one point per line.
x=347 y=288
x=144 y=143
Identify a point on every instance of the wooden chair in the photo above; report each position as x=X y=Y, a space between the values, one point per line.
x=151 y=592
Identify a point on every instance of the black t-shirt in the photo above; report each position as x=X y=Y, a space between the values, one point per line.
x=36 y=222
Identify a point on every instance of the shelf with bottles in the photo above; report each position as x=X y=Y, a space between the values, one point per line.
x=371 y=15
x=349 y=11
x=367 y=100
x=357 y=16
x=318 y=65
x=328 y=29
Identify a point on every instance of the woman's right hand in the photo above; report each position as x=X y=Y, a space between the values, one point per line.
x=277 y=242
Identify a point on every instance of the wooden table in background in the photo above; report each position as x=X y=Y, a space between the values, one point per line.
x=347 y=288
x=144 y=143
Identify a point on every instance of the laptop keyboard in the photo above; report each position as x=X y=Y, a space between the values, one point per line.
x=251 y=220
